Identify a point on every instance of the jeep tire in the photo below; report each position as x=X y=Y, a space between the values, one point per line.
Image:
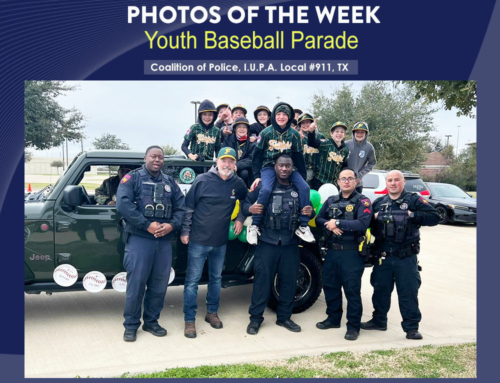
x=309 y=283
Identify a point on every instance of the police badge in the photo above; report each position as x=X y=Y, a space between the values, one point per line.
x=403 y=206
x=349 y=208
x=187 y=175
x=167 y=188
x=295 y=194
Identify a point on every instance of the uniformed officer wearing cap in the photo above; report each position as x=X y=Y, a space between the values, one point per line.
x=278 y=250
x=243 y=148
x=153 y=207
x=345 y=217
x=395 y=225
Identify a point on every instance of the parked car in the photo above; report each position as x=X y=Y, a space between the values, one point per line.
x=63 y=229
x=374 y=184
x=452 y=203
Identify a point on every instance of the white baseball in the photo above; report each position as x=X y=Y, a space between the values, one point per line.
x=94 y=281
x=65 y=275
x=119 y=282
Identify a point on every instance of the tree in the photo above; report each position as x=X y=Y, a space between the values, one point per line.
x=435 y=144
x=458 y=94
x=27 y=156
x=463 y=171
x=46 y=123
x=109 y=141
x=57 y=164
x=170 y=150
x=399 y=126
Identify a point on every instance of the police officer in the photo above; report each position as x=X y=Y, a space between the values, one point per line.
x=346 y=218
x=396 y=222
x=278 y=249
x=153 y=207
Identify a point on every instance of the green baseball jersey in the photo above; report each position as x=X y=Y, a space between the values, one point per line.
x=203 y=141
x=274 y=143
x=331 y=160
x=311 y=155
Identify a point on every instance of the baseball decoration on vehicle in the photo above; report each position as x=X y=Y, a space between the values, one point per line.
x=187 y=175
x=94 y=282
x=119 y=282
x=65 y=275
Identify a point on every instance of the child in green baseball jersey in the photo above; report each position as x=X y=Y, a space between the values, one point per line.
x=203 y=138
x=276 y=139
x=333 y=154
x=310 y=154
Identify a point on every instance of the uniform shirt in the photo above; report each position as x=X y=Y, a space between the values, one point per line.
x=311 y=154
x=358 y=225
x=273 y=143
x=204 y=142
x=424 y=215
x=332 y=158
x=272 y=236
x=129 y=192
x=210 y=202
x=105 y=192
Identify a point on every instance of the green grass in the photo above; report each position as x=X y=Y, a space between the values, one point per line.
x=474 y=194
x=456 y=361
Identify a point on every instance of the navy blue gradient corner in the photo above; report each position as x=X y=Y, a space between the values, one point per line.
x=90 y=39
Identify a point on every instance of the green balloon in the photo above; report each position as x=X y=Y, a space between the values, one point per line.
x=231 y=231
x=318 y=208
x=315 y=198
x=243 y=235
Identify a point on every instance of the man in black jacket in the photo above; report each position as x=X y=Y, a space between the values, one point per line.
x=244 y=149
x=278 y=248
x=395 y=225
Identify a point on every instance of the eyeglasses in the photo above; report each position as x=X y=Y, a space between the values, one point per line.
x=350 y=179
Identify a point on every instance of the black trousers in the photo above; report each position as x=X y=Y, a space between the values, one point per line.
x=269 y=260
x=343 y=270
x=404 y=272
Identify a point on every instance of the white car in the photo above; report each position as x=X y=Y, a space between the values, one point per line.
x=374 y=184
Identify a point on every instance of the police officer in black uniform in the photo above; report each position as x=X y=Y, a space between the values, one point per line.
x=278 y=249
x=346 y=218
x=396 y=222
x=153 y=207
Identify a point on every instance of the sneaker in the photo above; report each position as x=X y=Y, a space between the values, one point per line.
x=155 y=329
x=290 y=325
x=214 y=320
x=371 y=325
x=130 y=335
x=414 y=334
x=253 y=233
x=351 y=335
x=253 y=328
x=304 y=233
x=189 y=330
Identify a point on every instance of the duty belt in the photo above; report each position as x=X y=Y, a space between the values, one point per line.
x=342 y=247
x=402 y=252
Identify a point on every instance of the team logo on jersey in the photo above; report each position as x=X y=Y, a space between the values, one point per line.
x=365 y=201
x=205 y=139
x=349 y=208
x=403 y=206
x=294 y=194
x=362 y=154
x=279 y=145
x=126 y=178
x=310 y=150
x=167 y=188
x=332 y=156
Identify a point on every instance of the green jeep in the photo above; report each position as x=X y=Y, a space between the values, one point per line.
x=66 y=226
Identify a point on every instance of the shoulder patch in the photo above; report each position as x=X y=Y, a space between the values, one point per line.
x=125 y=178
x=423 y=200
x=365 y=202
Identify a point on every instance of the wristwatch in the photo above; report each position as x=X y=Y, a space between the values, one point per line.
x=337 y=223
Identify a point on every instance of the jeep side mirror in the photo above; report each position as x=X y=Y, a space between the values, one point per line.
x=73 y=195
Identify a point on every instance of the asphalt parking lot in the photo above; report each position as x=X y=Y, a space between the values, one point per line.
x=80 y=334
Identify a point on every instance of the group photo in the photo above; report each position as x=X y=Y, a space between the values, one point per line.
x=243 y=222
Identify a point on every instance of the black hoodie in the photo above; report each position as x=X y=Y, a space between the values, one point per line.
x=204 y=140
x=274 y=141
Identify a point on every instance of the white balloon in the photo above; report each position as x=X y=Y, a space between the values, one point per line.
x=326 y=191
